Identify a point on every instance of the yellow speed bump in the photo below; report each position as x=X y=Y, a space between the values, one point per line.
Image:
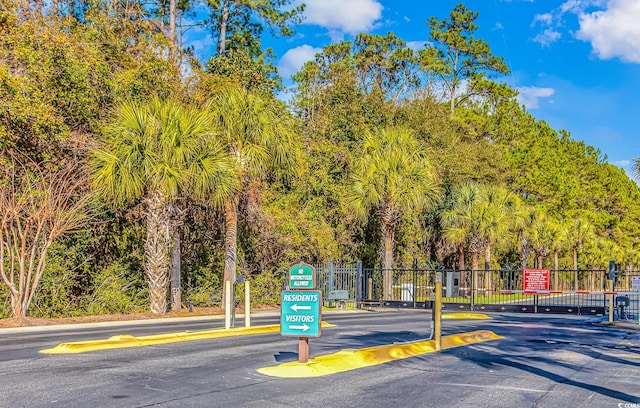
x=345 y=360
x=125 y=341
x=464 y=315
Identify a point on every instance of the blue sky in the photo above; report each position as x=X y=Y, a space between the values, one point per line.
x=576 y=63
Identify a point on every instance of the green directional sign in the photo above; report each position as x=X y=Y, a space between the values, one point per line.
x=301 y=313
x=302 y=276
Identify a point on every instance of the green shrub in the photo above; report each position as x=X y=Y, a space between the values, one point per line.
x=115 y=290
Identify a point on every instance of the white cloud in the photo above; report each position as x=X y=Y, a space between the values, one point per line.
x=529 y=96
x=200 y=39
x=629 y=168
x=613 y=32
x=343 y=16
x=417 y=45
x=572 y=6
x=294 y=59
x=547 y=37
x=544 y=19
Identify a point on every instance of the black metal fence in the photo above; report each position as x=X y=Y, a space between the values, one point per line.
x=574 y=292
x=582 y=292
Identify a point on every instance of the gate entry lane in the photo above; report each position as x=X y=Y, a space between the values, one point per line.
x=222 y=372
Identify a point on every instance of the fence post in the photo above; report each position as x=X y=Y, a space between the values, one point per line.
x=359 y=284
x=331 y=282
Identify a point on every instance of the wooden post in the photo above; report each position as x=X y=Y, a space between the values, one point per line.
x=303 y=349
x=247 y=305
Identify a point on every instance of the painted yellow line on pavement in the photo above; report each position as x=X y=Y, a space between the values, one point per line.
x=345 y=360
x=464 y=315
x=125 y=340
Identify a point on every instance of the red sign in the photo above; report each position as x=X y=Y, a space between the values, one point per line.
x=536 y=279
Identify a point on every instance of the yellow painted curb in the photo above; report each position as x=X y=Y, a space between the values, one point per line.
x=345 y=360
x=125 y=340
x=464 y=315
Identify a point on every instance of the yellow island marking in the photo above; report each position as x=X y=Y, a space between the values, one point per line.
x=126 y=340
x=345 y=360
x=464 y=315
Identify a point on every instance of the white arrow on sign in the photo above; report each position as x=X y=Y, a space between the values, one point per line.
x=295 y=307
x=304 y=327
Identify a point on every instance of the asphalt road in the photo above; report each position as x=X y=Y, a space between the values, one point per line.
x=543 y=361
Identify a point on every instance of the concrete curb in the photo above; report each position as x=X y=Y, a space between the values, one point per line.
x=349 y=359
x=128 y=341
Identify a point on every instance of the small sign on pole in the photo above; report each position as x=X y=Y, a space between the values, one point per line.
x=302 y=276
x=301 y=313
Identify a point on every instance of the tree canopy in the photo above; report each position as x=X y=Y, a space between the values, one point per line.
x=383 y=154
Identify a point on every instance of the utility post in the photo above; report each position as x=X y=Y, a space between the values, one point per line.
x=611 y=285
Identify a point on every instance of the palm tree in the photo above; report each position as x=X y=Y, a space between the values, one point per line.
x=457 y=221
x=495 y=218
x=556 y=237
x=480 y=216
x=156 y=152
x=393 y=177
x=260 y=139
x=580 y=231
x=635 y=171
x=541 y=232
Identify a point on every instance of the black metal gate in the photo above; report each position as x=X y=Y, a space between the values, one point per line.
x=582 y=292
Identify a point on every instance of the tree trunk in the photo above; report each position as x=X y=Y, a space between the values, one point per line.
x=475 y=261
x=224 y=20
x=157 y=246
x=525 y=252
x=487 y=257
x=487 y=266
x=461 y=257
x=461 y=268
x=388 y=231
x=176 y=296
x=230 y=242
x=172 y=22
x=555 y=266
x=17 y=305
x=575 y=267
x=540 y=261
x=173 y=38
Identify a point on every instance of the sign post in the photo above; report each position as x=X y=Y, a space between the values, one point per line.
x=301 y=308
